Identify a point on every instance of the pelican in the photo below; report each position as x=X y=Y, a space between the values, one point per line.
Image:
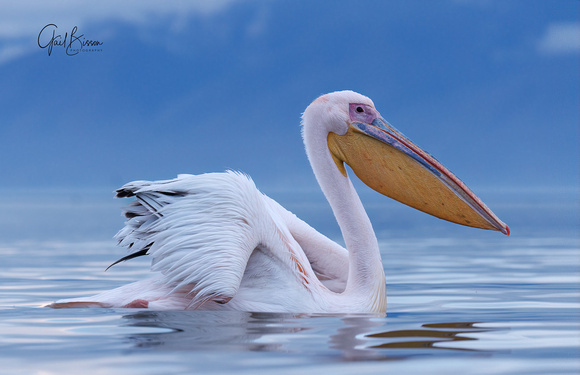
x=218 y=243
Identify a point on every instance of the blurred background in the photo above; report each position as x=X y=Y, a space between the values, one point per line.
x=491 y=89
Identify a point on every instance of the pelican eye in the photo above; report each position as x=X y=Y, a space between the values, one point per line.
x=360 y=109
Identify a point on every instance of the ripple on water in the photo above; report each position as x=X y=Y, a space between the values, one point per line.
x=468 y=306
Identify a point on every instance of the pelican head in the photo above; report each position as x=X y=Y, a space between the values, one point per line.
x=384 y=159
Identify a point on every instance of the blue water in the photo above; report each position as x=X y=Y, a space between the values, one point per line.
x=459 y=299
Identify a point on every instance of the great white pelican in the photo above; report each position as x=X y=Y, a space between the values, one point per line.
x=218 y=243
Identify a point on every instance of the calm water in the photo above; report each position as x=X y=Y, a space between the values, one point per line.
x=459 y=300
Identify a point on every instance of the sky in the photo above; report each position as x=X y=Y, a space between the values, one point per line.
x=490 y=88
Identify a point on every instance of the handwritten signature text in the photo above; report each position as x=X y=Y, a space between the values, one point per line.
x=72 y=43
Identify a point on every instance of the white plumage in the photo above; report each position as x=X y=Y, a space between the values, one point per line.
x=218 y=243
x=202 y=230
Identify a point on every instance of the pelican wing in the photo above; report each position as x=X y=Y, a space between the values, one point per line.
x=328 y=260
x=197 y=229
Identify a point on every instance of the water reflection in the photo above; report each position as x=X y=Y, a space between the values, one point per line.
x=440 y=333
x=204 y=330
x=350 y=337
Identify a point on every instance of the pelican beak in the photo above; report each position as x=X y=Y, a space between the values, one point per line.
x=388 y=162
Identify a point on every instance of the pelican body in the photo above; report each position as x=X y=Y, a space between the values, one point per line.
x=218 y=243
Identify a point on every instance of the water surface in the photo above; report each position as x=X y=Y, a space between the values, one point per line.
x=459 y=300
